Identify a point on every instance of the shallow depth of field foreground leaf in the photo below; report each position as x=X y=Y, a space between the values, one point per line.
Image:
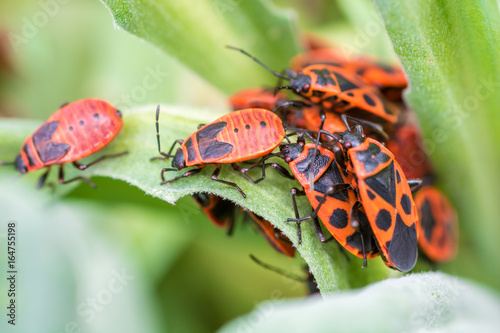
x=430 y=302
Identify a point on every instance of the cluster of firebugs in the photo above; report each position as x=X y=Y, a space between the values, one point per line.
x=362 y=168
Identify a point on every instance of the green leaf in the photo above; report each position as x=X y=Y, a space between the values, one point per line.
x=270 y=199
x=63 y=254
x=429 y=302
x=196 y=34
x=451 y=53
x=369 y=36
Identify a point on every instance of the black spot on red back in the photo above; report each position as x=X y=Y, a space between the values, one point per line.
x=81 y=123
x=208 y=146
x=263 y=124
x=370 y=194
x=344 y=84
x=247 y=126
x=387 y=69
x=339 y=218
x=96 y=116
x=383 y=220
x=369 y=100
x=427 y=221
x=406 y=203
x=388 y=111
x=360 y=71
x=398 y=176
x=402 y=249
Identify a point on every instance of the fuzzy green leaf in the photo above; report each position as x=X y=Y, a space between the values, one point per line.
x=270 y=198
x=67 y=251
x=451 y=53
x=197 y=33
x=429 y=302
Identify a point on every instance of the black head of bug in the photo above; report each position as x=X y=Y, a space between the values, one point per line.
x=290 y=152
x=119 y=113
x=351 y=140
x=179 y=162
x=19 y=164
x=300 y=84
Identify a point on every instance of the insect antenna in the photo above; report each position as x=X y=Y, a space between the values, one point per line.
x=278 y=270
x=281 y=76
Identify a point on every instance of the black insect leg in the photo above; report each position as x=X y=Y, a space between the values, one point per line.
x=244 y=171
x=215 y=176
x=43 y=178
x=63 y=181
x=281 y=170
x=298 y=220
x=415 y=184
x=85 y=166
x=294 y=192
x=184 y=175
x=357 y=226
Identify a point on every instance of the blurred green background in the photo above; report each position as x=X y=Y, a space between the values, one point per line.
x=115 y=259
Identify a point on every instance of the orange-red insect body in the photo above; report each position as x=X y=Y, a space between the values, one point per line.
x=257 y=98
x=438 y=226
x=75 y=131
x=333 y=208
x=390 y=80
x=235 y=137
x=340 y=91
x=386 y=197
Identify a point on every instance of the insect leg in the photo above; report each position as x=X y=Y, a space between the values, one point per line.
x=63 y=181
x=357 y=226
x=298 y=220
x=415 y=184
x=184 y=175
x=42 y=179
x=85 y=166
x=215 y=176
x=244 y=171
